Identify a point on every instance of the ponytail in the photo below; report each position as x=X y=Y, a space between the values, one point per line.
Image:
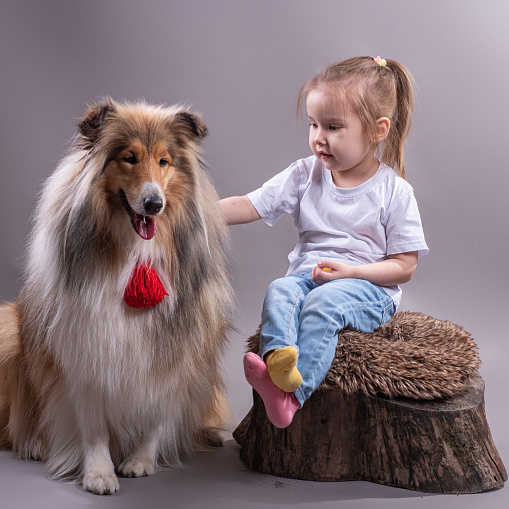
x=401 y=121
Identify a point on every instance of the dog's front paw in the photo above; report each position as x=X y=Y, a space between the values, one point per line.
x=100 y=483
x=136 y=467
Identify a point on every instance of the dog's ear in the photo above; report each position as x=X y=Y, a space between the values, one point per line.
x=190 y=124
x=90 y=125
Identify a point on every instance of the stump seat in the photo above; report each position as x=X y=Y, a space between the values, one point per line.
x=389 y=413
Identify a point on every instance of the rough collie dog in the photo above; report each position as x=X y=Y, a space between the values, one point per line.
x=100 y=373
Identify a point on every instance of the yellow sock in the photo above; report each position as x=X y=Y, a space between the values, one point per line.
x=282 y=368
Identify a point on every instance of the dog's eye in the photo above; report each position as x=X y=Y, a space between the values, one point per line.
x=130 y=159
x=163 y=163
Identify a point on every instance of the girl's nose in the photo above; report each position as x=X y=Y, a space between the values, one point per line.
x=319 y=137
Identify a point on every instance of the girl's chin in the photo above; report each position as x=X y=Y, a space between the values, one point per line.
x=329 y=165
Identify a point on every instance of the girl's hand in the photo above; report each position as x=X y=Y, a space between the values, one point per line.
x=325 y=271
x=396 y=270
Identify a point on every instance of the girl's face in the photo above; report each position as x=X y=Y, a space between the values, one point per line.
x=337 y=138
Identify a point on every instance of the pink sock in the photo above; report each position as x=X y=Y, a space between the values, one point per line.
x=279 y=405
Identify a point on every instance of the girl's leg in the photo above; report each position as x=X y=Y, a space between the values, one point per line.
x=323 y=311
x=341 y=304
x=280 y=323
x=278 y=334
x=280 y=314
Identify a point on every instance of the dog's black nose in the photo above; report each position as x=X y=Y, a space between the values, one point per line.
x=153 y=204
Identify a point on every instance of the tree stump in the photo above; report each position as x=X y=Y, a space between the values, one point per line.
x=347 y=432
x=430 y=446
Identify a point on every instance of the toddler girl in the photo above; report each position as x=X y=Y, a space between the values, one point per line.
x=360 y=232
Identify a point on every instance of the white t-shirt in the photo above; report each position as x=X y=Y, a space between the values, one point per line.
x=360 y=225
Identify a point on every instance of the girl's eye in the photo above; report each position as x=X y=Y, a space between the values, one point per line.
x=312 y=124
x=130 y=159
x=163 y=163
x=334 y=127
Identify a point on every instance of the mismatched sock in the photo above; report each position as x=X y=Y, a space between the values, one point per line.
x=279 y=405
x=282 y=368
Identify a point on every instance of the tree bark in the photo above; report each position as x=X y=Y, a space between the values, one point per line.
x=440 y=446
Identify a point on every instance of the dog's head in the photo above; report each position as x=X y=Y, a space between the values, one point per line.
x=147 y=154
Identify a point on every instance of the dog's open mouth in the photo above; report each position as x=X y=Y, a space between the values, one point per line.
x=145 y=226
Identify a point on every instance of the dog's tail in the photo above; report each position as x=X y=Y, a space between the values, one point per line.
x=10 y=353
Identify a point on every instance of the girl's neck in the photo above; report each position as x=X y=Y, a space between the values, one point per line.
x=350 y=179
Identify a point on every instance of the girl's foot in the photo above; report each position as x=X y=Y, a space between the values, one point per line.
x=279 y=405
x=282 y=368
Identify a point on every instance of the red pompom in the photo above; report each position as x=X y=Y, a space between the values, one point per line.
x=144 y=288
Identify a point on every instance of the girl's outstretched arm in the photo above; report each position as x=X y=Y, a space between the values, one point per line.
x=238 y=210
x=398 y=269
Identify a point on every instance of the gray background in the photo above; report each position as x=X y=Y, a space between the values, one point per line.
x=240 y=64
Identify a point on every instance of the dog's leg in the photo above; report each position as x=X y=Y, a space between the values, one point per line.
x=99 y=475
x=142 y=462
x=98 y=470
x=209 y=434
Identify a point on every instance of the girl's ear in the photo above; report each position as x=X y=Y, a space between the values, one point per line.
x=383 y=126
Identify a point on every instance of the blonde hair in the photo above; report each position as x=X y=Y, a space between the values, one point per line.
x=373 y=90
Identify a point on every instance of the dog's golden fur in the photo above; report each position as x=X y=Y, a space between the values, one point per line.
x=88 y=384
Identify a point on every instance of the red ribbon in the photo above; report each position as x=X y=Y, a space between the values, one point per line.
x=144 y=288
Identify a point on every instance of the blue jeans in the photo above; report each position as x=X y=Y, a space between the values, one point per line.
x=298 y=312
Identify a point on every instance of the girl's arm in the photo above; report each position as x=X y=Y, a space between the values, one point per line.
x=238 y=210
x=398 y=269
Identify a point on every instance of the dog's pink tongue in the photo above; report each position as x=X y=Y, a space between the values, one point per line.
x=146 y=226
